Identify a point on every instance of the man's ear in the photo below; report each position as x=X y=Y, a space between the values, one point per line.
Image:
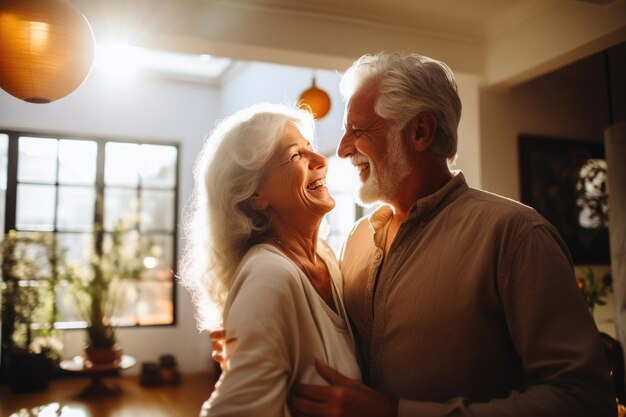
x=422 y=130
x=258 y=203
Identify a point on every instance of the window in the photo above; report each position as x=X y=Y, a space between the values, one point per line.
x=342 y=181
x=80 y=190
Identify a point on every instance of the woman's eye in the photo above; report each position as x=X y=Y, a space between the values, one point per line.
x=295 y=156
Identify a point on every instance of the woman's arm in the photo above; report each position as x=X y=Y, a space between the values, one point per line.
x=261 y=317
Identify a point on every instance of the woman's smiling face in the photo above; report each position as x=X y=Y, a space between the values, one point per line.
x=294 y=184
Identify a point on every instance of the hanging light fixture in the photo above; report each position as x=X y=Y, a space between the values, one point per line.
x=316 y=100
x=46 y=49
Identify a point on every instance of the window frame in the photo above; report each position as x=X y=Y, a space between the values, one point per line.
x=99 y=186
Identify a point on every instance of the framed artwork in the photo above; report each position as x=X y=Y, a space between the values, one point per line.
x=565 y=181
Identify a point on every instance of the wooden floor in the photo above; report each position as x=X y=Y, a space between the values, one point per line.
x=68 y=399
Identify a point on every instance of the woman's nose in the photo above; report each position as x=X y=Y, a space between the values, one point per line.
x=317 y=161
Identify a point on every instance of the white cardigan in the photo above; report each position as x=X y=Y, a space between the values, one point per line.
x=281 y=325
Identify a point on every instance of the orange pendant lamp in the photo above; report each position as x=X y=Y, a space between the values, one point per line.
x=46 y=49
x=316 y=100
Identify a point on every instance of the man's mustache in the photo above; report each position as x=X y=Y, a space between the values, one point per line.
x=358 y=159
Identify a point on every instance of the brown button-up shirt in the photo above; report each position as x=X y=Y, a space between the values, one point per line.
x=473 y=312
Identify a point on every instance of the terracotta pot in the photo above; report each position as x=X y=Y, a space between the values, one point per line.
x=101 y=356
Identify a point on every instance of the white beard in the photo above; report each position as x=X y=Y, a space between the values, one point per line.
x=384 y=186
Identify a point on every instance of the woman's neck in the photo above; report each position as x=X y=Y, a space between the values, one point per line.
x=300 y=241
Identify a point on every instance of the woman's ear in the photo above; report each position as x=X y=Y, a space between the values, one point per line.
x=258 y=203
x=422 y=130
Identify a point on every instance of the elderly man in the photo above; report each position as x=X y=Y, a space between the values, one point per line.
x=463 y=303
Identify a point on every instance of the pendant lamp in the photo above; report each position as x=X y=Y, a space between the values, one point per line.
x=316 y=100
x=46 y=49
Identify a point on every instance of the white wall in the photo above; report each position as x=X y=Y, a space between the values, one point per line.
x=468 y=153
x=570 y=103
x=139 y=109
x=261 y=82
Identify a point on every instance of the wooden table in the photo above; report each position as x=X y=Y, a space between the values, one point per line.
x=97 y=373
x=134 y=400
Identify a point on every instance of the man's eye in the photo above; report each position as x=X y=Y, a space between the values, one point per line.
x=357 y=132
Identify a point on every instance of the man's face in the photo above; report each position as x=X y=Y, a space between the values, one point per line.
x=374 y=148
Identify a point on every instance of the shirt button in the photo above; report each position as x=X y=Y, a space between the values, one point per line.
x=378 y=255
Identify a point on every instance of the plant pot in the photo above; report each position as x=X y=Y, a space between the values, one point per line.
x=102 y=356
x=28 y=372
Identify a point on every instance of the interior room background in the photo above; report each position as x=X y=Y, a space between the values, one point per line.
x=568 y=102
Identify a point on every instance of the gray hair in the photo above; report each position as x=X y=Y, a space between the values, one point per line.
x=220 y=225
x=409 y=85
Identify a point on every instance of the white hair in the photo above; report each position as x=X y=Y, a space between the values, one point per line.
x=220 y=225
x=410 y=84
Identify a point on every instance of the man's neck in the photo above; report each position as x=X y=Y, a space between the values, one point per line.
x=418 y=186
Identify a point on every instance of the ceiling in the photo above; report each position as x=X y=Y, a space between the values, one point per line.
x=456 y=19
x=504 y=42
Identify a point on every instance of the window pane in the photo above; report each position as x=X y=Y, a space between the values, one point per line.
x=341 y=220
x=119 y=205
x=4 y=162
x=67 y=305
x=126 y=313
x=35 y=207
x=76 y=208
x=31 y=250
x=78 y=247
x=158 y=166
x=157 y=210
x=77 y=162
x=342 y=178
x=146 y=302
x=342 y=217
x=162 y=251
x=121 y=165
x=37 y=160
x=154 y=305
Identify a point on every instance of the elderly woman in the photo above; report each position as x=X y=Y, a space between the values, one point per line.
x=253 y=248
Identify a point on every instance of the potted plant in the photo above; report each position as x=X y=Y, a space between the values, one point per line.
x=30 y=275
x=99 y=290
x=594 y=290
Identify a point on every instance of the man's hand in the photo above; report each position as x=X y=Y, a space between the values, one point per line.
x=344 y=397
x=218 y=337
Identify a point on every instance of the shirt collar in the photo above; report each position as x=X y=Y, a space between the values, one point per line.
x=424 y=207
x=378 y=220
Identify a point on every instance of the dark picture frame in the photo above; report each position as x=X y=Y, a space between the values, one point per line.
x=549 y=171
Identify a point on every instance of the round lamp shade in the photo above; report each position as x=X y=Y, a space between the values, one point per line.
x=316 y=100
x=46 y=49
